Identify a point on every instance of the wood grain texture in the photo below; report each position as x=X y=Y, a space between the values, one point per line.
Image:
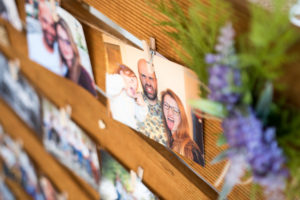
x=16 y=128
x=17 y=190
x=165 y=175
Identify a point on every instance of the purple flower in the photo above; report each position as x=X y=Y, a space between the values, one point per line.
x=244 y=132
x=223 y=75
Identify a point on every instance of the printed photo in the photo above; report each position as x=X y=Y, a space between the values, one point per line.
x=49 y=191
x=56 y=41
x=153 y=98
x=116 y=182
x=16 y=91
x=70 y=145
x=9 y=12
x=5 y=192
x=18 y=166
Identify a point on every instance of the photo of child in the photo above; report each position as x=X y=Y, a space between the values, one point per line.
x=18 y=166
x=56 y=41
x=126 y=103
x=116 y=182
x=70 y=145
x=20 y=96
x=157 y=107
x=49 y=191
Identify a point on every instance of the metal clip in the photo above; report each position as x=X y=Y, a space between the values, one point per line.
x=150 y=51
x=65 y=114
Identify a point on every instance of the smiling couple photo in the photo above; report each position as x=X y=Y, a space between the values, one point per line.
x=152 y=98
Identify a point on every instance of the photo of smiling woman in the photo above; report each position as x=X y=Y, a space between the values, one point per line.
x=70 y=58
x=56 y=41
x=176 y=125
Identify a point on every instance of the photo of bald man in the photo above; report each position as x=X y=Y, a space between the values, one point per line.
x=153 y=126
x=42 y=39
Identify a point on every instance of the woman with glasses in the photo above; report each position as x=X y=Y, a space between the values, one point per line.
x=177 y=127
x=70 y=58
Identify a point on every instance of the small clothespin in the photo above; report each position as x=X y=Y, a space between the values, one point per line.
x=14 y=68
x=295 y=14
x=135 y=177
x=150 y=50
x=140 y=172
x=101 y=124
x=65 y=114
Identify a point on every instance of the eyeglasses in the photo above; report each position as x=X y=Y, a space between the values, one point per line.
x=66 y=41
x=168 y=107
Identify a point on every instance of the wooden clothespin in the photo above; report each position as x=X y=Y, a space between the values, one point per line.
x=14 y=68
x=295 y=14
x=140 y=172
x=101 y=124
x=150 y=51
x=65 y=114
x=135 y=177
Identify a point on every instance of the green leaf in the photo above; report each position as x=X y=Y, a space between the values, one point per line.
x=221 y=140
x=263 y=105
x=210 y=107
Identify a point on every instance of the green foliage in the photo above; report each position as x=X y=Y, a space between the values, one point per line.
x=111 y=168
x=288 y=123
x=261 y=53
x=195 y=31
x=263 y=50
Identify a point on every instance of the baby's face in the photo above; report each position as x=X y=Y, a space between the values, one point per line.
x=131 y=85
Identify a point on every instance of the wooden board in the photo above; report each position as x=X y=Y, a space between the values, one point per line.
x=164 y=172
x=16 y=128
x=17 y=190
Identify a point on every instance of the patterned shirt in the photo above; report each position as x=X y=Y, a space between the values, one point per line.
x=153 y=125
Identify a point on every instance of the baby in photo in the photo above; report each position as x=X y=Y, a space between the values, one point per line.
x=126 y=103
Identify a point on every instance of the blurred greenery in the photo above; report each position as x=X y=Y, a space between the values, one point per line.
x=111 y=168
x=195 y=31
x=262 y=53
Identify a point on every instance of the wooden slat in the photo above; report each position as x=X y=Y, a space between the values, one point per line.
x=165 y=175
x=17 y=190
x=44 y=161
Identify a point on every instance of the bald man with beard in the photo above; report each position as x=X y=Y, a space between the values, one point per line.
x=42 y=41
x=153 y=125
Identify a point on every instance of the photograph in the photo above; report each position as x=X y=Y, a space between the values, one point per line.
x=16 y=91
x=5 y=192
x=4 y=39
x=70 y=145
x=49 y=191
x=152 y=98
x=18 y=166
x=56 y=41
x=9 y=12
x=117 y=183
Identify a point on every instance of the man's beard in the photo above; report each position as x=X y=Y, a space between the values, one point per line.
x=150 y=96
x=50 y=44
